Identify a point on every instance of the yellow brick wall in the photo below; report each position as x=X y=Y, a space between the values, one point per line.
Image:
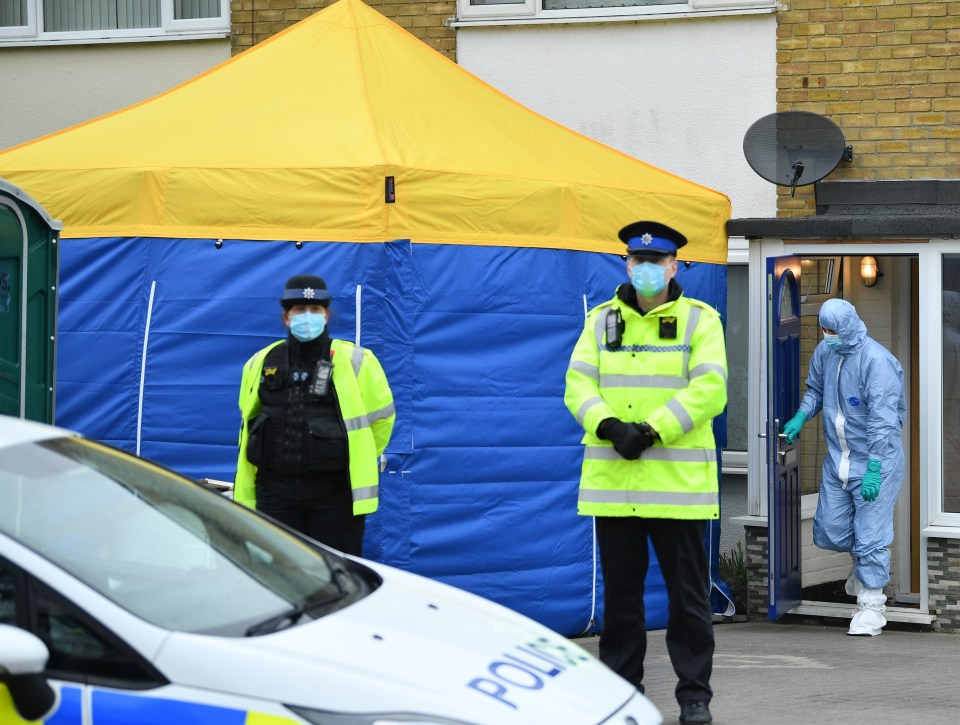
x=887 y=72
x=255 y=20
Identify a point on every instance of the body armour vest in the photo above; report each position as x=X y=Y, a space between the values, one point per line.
x=296 y=432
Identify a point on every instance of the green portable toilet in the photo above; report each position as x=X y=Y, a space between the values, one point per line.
x=29 y=268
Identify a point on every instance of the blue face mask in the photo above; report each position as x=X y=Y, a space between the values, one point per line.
x=649 y=279
x=307 y=325
x=832 y=340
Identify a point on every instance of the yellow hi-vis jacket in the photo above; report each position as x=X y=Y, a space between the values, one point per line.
x=675 y=384
x=366 y=404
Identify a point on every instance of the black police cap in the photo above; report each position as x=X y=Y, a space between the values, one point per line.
x=305 y=289
x=651 y=238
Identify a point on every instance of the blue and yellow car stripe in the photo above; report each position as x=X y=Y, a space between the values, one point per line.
x=68 y=711
x=121 y=708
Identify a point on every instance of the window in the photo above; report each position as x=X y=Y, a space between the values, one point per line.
x=160 y=546
x=819 y=282
x=8 y=593
x=80 y=648
x=98 y=20
x=738 y=327
x=491 y=11
x=951 y=383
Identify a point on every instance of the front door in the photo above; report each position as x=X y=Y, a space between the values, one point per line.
x=783 y=459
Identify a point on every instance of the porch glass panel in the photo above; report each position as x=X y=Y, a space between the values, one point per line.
x=951 y=383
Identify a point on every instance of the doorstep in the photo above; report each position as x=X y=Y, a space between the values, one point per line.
x=845 y=611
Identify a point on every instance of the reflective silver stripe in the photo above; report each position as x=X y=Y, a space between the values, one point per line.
x=681 y=455
x=384 y=412
x=675 y=407
x=357 y=359
x=705 y=368
x=651 y=498
x=601 y=453
x=643 y=381
x=692 y=323
x=657 y=453
x=599 y=329
x=366 y=493
x=587 y=404
x=591 y=371
x=358 y=423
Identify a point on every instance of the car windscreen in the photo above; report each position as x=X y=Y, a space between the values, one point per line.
x=161 y=546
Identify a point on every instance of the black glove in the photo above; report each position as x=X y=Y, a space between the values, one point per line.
x=626 y=438
x=647 y=434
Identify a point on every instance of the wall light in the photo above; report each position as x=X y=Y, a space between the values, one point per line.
x=869 y=271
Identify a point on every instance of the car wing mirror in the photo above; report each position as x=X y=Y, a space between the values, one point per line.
x=23 y=659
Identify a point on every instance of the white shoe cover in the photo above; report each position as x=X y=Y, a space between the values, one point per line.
x=869 y=619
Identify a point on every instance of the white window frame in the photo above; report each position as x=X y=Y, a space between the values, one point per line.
x=21 y=31
x=531 y=11
x=932 y=331
x=525 y=9
x=169 y=29
x=735 y=460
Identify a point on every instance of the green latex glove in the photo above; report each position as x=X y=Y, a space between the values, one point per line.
x=793 y=426
x=870 y=483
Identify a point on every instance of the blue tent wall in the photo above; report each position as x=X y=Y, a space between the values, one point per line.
x=481 y=484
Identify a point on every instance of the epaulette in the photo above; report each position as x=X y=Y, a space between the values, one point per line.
x=704 y=305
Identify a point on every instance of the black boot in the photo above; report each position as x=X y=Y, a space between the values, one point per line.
x=695 y=711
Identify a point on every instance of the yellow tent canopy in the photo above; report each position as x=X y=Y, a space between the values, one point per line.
x=307 y=135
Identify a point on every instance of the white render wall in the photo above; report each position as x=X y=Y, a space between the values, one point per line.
x=678 y=94
x=48 y=88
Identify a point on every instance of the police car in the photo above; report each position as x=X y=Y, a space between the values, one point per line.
x=129 y=594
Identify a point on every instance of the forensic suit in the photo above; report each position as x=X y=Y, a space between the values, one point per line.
x=858 y=386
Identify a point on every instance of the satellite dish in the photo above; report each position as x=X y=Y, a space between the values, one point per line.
x=795 y=148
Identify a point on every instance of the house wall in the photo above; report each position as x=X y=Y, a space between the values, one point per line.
x=887 y=73
x=733 y=502
x=678 y=94
x=48 y=88
x=254 y=22
x=943 y=560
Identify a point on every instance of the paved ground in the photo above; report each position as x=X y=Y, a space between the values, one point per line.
x=796 y=673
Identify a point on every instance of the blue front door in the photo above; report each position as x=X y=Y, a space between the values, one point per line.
x=783 y=459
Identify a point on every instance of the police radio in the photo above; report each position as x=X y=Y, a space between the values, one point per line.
x=320 y=382
x=614 y=327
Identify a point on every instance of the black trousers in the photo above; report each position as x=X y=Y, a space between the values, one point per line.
x=327 y=517
x=624 y=559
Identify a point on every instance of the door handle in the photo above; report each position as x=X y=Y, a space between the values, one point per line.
x=782 y=453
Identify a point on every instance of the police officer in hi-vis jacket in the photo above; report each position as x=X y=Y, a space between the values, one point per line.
x=646 y=379
x=317 y=414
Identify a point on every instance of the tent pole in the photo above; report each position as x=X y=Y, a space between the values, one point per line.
x=357 y=296
x=143 y=362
